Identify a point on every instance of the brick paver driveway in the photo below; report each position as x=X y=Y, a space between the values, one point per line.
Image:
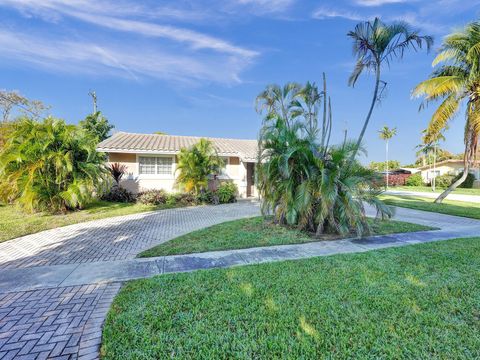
x=64 y=322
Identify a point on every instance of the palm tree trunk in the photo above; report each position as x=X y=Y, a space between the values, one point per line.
x=466 y=169
x=434 y=166
x=370 y=111
x=387 y=162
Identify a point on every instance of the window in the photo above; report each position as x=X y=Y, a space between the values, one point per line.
x=164 y=165
x=149 y=165
x=223 y=168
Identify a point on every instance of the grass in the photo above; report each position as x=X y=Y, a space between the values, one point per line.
x=15 y=223
x=416 y=302
x=254 y=232
x=450 y=207
x=428 y=189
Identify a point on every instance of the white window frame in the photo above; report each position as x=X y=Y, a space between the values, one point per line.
x=155 y=176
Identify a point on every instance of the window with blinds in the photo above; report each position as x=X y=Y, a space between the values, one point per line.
x=150 y=165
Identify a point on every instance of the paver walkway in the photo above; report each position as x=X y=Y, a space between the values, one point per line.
x=56 y=308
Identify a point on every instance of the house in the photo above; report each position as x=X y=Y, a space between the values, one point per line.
x=451 y=167
x=151 y=160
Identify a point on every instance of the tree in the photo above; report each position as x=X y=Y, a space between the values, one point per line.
x=456 y=82
x=383 y=166
x=160 y=133
x=196 y=164
x=50 y=166
x=97 y=125
x=280 y=101
x=375 y=44
x=386 y=134
x=310 y=187
x=13 y=100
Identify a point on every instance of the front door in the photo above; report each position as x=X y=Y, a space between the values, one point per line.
x=250 y=179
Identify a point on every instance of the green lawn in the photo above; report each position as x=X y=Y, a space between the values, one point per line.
x=450 y=207
x=15 y=223
x=459 y=191
x=254 y=232
x=416 y=302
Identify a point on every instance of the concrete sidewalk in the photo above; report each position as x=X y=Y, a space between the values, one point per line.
x=433 y=195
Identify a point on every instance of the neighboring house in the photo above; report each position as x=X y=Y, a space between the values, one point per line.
x=453 y=167
x=151 y=160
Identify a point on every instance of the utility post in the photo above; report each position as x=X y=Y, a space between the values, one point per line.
x=93 y=94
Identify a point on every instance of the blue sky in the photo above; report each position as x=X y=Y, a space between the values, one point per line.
x=194 y=67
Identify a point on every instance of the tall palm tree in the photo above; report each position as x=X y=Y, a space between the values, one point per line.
x=386 y=134
x=281 y=101
x=375 y=44
x=456 y=82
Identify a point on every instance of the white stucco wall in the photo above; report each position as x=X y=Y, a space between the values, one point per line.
x=236 y=171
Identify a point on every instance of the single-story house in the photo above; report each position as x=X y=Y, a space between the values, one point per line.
x=151 y=160
x=451 y=166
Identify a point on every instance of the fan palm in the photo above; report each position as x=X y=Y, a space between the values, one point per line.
x=386 y=134
x=50 y=166
x=196 y=164
x=375 y=44
x=455 y=81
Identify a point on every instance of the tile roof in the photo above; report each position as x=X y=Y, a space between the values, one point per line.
x=153 y=143
x=475 y=165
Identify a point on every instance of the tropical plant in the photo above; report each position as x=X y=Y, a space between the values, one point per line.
x=311 y=187
x=386 y=134
x=383 y=166
x=196 y=164
x=415 y=180
x=97 y=125
x=153 y=197
x=119 y=194
x=50 y=165
x=117 y=171
x=376 y=44
x=227 y=192
x=456 y=82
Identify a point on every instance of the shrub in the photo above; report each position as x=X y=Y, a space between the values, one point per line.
x=117 y=171
x=227 y=192
x=444 y=181
x=50 y=165
x=415 y=180
x=153 y=197
x=184 y=199
x=119 y=194
x=468 y=183
x=205 y=197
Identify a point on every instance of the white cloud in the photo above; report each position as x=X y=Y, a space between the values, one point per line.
x=82 y=57
x=267 y=6
x=378 y=2
x=178 y=54
x=326 y=13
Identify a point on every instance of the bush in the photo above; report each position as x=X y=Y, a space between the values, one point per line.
x=119 y=194
x=185 y=199
x=444 y=181
x=153 y=197
x=206 y=197
x=468 y=183
x=414 y=180
x=227 y=192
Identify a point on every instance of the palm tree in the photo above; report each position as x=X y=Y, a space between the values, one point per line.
x=386 y=134
x=310 y=190
x=50 y=166
x=196 y=164
x=281 y=101
x=456 y=82
x=375 y=44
